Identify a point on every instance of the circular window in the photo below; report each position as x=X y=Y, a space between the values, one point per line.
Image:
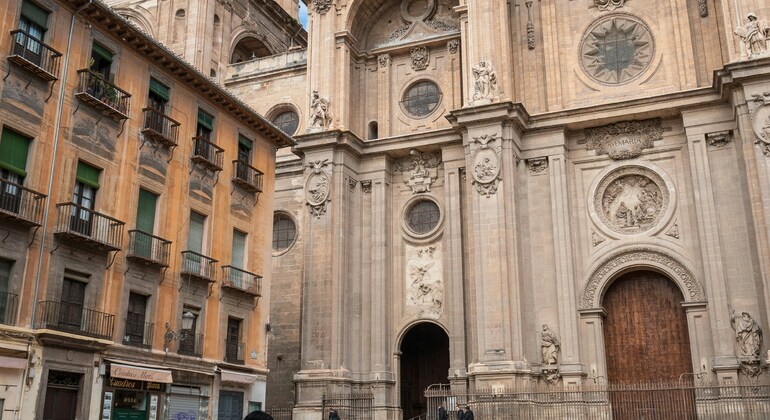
x=423 y=216
x=617 y=50
x=287 y=121
x=421 y=99
x=284 y=232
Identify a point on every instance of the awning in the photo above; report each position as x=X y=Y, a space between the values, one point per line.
x=237 y=377
x=144 y=373
x=12 y=363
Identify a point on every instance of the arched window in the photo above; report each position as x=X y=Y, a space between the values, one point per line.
x=421 y=99
x=287 y=121
x=249 y=48
x=373 y=131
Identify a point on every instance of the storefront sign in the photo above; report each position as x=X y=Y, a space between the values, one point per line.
x=140 y=374
x=125 y=383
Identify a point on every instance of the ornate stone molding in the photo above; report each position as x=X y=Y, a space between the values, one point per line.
x=719 y=139
x=703 y=8
x=619 y=261
x=609 y=5
x=674 y=231
x=485 y=83
x=625 y=139
x=530 y=26
x=637 y=39
x=318 y=187
x=537 y=165
x=419 y=170
x=759 y=113
x=596 y=239
x=453 y=46
x=384 y=60
x=420 y=58
x=322 y=6
x=487 y=160
x=366 y=186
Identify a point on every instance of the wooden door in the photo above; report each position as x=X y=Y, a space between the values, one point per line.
x=60 y=404
x=72 y=298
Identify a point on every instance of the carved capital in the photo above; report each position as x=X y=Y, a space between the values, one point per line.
x=366 y=186
x=352 y=183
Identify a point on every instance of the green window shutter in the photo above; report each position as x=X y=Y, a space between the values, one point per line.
x=35 y=14
x=245 y=142
x=159 y=89
x=239 y=249
x=195 y=238
x=13 y=152
x=206 y=120
x=102 y=52
x=88 y=175
x=145 y=212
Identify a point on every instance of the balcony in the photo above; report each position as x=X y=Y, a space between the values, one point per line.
x=233 y=352
x=160 y=127
x=241 y=280
x=34 y=56
x=199 y=266
x=9 y=304
x=191 y=344
x=94 y=90
x=85 y=225
x=138 y=333
x=148 y=249
x=74 y=319
x=207 y=154
x=20 y=204
x=247 y=177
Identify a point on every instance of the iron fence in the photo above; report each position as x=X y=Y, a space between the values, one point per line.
x=148 y=248
x=355 y=405
x=160 y=127
x=639 y=401
x=74 y=319
x=34 y=55
x=247 y=176
x=9 y=304
x=21 y=203
x=83 y=223
x=242 y=280
x=95 y=90
x=207 y=154
x=280 y=413
x=191 y=344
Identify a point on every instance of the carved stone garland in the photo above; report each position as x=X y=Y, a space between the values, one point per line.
x=419 y=170
x=530 y=26
x=759 y=113
x=487 y=160
x=318 y=188
x=623 y=140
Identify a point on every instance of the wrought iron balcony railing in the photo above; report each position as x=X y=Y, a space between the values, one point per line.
x=160 y=127
x=81 y=223
x=9 y=304
x=207 y=154
x=247 y=176
x=74 y=319
x=199 y=266
x=150 y=249
x=96 y=91
x=241 y=280
x=21 y=204
x=33 y=55
x=138 y=333
x=234 y=352
x=190 y=344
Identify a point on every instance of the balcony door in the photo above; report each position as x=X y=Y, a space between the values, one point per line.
x=13 y=163
x=188 y=337
x=157 y=99
x=145 y=222
x=193 y=263
x=6 y=305
x=135 y=319
x=33 y=21
x=86 y=185
x=73 y=296
x=232 y=339
x=244 y=155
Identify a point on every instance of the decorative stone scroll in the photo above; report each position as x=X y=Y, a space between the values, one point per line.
x=759 y=112
x=748 y=336
x=318 y=188
x=322 y=6
x=487 y=159
x=419 y=170
x=420 y=58
x=609 y=5
x=485 y=83
x=625 y=139
x=424 y=281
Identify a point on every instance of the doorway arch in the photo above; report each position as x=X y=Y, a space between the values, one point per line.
x=424 y=361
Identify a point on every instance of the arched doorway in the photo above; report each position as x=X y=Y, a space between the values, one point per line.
x=424 y=361
x=249 y=48
x=646 y=341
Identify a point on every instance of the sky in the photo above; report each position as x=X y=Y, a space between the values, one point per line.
x=303 y=14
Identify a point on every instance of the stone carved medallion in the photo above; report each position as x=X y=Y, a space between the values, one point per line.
x=759 y=112
x=317 y=188
x=384 y=60
x=420 y=58
x=609 y=5
x=632 y=51
x=487 y=162
x=424 y=282
x=631 y=200
x=623 y=140
x=322 y=6
x=419 y=170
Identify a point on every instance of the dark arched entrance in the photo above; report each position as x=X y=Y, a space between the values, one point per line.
x=646 y=341
x=424 y=361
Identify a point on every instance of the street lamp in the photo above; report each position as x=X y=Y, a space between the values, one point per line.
x=187 y=324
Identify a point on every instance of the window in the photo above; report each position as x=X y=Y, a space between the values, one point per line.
x=72 y=299
x=86 y=185
x=205 y=127
x=101 y=61
x=373 y=130
x=244 y=149
x=7 y=300
x=195 y=238
x=233 y=347
x=158 y=97
x=145 y=223
x=230 y=405
x=135 y=320
x=14 y=148
x=423 y=216
x=239 y=249
x=421 y=99
x=188 y=338
x=284 y=232
x=287 y=121
x=34 y=22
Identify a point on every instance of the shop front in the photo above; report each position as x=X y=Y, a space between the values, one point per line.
x=134 y=392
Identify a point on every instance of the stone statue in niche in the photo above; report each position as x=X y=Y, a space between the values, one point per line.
x=320 y=116
x=549 y=345
x=632 y=203
x=486 y=81
x=419 y=170
x=425 y=288
x=754 y=35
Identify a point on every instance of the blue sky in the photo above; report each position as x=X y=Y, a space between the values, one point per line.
x=303 y=14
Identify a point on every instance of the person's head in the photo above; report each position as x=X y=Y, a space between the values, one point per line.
x=459 y=407
x=752 y=16
x=258 y=415
x=467 y=407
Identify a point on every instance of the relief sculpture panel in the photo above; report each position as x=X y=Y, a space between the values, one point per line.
x=424 y=281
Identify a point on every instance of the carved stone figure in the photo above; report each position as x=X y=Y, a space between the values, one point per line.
x=420 y=58
x=748 y=334
x=609 y=5
x=632 y=203
x=320 y=116
x=425 y=288
x=754 y=36
x=549 y=345
x=486 y=81
x=419 y=170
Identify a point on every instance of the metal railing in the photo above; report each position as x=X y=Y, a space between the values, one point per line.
x=191 y=344
x=242 y=280
x=34 y=55
x=207 y=154
x=9 y=305
x=199 y=265
x=247 y=176
x=74 y=319
x=280 y=413
x=138 y=333
x=80 y=222
x=20 y=203
x=355 y=405
x=234 y=352
x=160 y=127
x=639 y=401
x=149 y=248
x=94 y=89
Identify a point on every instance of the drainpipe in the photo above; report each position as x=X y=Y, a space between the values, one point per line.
x=53 y=159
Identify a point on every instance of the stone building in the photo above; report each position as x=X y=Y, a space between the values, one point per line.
x=135 y=204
